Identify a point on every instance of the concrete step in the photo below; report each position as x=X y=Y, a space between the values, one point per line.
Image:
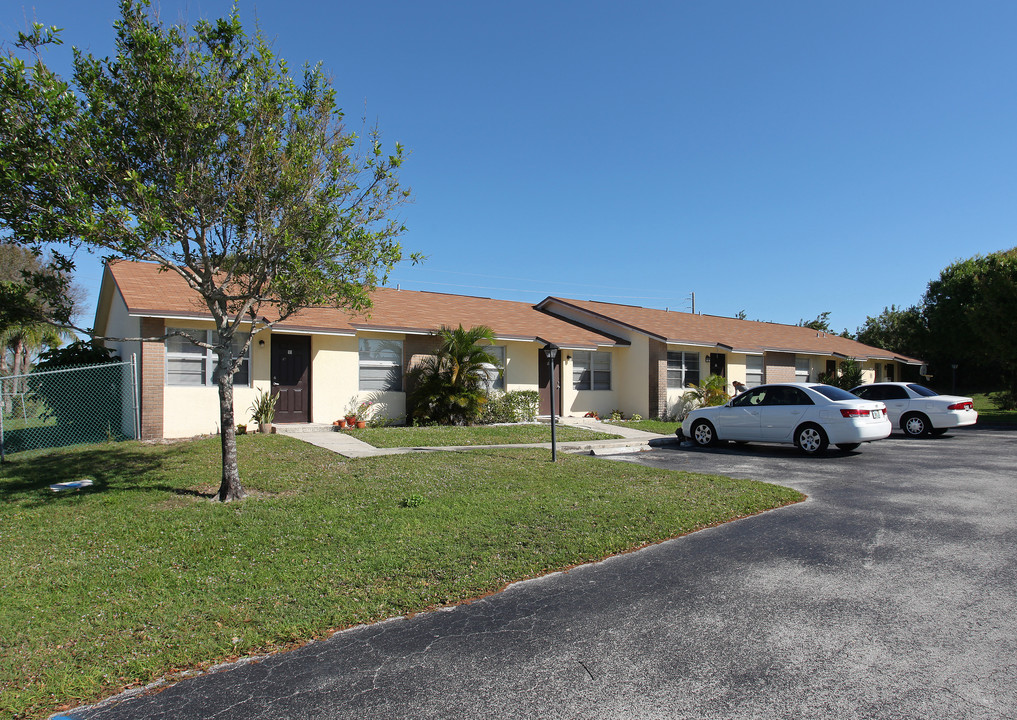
x=294 y=428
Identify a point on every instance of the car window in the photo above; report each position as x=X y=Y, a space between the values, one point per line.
x=786 y=396
x=776 y=396
x=753 y=397
x=834 y=393
x=873 y=392
x=922 y=390
x=799 y=397
x=895 y=392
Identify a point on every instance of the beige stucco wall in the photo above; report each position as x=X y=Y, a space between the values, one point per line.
x=334 y=376
x=674 y=394
x=189 y=411
x=521 y=368
x=576 y=403
x=630 y=389
x=632 y=380
x=344 y=371
x=120 y=324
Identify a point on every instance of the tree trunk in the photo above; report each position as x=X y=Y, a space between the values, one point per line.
x=19 y=354
x=6 y=400
x=230 y=488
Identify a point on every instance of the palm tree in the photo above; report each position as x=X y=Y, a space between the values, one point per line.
x=23 y=341
x=450 y=387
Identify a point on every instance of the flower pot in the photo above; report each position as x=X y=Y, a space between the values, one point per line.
x=265 y=428
x=361 y=424
x=351 y=420
x=339 y=424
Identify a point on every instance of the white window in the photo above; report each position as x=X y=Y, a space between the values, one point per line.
x=188 y=364
x=495 y=373
x=381 y=364
x=802 y=369
x=753 y=370
x=591 y=370
x=682 y=369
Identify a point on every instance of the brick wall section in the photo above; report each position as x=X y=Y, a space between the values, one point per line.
x=153 y=375
x=780 y=367
x=658 y=379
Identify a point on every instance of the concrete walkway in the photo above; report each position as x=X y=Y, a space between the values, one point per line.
x=632 y=440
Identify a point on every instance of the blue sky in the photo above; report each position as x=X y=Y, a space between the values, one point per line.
x=781 y=158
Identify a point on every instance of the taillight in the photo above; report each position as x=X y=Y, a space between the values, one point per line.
x=854 y=412
x=962 y=406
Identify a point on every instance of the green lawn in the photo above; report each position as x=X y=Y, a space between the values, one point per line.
x=142 y=575
x=988 y=414
x=654 y=426
x=444 y=436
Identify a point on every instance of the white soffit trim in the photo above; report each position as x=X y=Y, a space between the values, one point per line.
x=309 y=331
x=688 y=343
x=563 y=315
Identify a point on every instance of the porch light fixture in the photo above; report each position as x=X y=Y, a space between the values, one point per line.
x=551 y=351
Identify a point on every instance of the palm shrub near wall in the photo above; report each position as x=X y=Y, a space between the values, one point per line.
x=850 y=376
x=711 y=391
x=681 y=409
x=450 y=387
x=512 y=406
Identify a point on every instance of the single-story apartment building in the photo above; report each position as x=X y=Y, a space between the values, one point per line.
x=322 y=361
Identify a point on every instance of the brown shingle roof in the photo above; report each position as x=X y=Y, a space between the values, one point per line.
x=728 y=333
x=149 y=292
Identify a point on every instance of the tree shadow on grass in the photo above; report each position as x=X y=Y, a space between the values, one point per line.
x=112 y=468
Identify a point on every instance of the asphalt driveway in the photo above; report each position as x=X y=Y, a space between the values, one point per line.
x=890 y=593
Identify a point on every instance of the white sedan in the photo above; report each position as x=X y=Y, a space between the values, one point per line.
x=919 y=411
x=809 y=415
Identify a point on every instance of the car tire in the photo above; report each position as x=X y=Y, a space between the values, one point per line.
x=915 y=425
x=703 y=434
x=936 y=432
x=847 y=447
x=810 y=439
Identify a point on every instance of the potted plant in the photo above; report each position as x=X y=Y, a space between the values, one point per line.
x=263 y=411
x=362 y=413
x=339 y=424
x=241 y=429
x=351 y=412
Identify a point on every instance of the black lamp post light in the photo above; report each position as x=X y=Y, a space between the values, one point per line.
x=551 y=351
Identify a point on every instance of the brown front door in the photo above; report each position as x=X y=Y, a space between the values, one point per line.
x=291 y=377
x=544 y=380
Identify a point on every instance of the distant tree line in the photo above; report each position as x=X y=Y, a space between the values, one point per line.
x=965 y=318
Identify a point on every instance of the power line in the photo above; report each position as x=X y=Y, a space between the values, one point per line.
x=530 y=280
x=528 y=292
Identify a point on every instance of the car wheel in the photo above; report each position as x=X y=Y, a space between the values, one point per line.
x=811 y=439
x=847 y=447
x=914 y=425
x=936 y=432
x=703 y=434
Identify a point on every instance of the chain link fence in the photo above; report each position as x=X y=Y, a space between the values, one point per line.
x=69 y=406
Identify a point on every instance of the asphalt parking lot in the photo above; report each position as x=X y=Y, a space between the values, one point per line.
x=890 y=593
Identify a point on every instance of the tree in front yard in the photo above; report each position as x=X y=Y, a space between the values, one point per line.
x=197 y=149
x=451 y=386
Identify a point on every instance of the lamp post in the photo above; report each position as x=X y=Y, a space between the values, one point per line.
x=551 y=351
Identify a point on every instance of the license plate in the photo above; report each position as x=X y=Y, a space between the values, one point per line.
x=876 y=414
